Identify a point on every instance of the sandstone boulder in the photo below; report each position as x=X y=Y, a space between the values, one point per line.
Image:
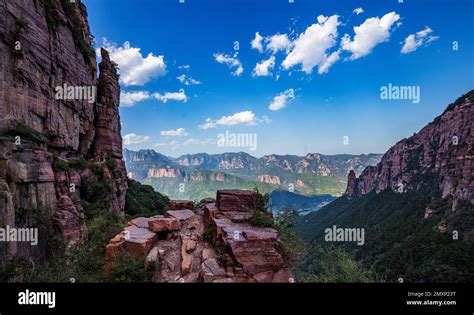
x=235 y=200
x=162 y=224
x=180 y=214
x=138 y=241
x=181 y=204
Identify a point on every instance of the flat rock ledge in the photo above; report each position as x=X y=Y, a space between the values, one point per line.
x=210 y=242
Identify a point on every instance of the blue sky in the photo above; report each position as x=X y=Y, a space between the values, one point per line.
x=183 y=83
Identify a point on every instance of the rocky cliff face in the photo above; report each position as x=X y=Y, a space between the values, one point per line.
x=443 y=147
x=213 y=243
x=57 y=119
x=266 y=178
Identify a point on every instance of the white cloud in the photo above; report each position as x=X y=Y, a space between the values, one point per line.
x=256 y=43
x=369 y=34
x=282 y=99
x=128 y=99
x=184 y=67
x=173 y=144
x=133 y=138
x=231 y=61
x=199 y=142
x=135 y=69
x=171 y=96
x=328 y=62
x=180 y=132
x=414 y=41
x=263 y=68
x=358 y=11
x=278 y=42
x=242 y=118
x=187 y=80
x=310 y=48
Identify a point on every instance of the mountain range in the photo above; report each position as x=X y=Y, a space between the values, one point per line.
x=197 y=176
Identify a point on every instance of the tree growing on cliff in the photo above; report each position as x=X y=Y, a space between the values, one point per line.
x=143 y=200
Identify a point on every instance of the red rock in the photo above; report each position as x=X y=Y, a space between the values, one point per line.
x=152 y=257
x=351 y=183
x=241 y=252
x=212 y=271
x=224 y=280
x=206 y=201
x=443 y=147
x=238 y=216
x=181 y=204
x=208 y=253
x=75 y=128
x=266 y=276
x=138 y=241
x=189 y=245
x=253 y=248
x=181 y=215
x=68 y=220
x=262 y=234
x=256 y=256
x=209 y=213
x=112 y=249
x=140 y=222
x=235 y=200
x=185 y=265
x=162 y=224
x=283 y=275
x=270 y=179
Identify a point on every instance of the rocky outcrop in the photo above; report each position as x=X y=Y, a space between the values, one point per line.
x=444 y=147
x=300 y=184
x=234 y=200
x=269 y=179
x=181 y=204
x=47 y=137
x=213 y=243
x=164 y=172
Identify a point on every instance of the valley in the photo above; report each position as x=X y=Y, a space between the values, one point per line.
x=198 y=176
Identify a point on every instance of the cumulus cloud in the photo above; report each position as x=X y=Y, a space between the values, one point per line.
x=134 y=68
x=186 y=80
x=242 y=118
x=278 y=42
x=256 y=43
x=231 y=61
x=184 y=67
x=128 y=99
x=310 y=49
x=280 y=101
x=369 y=34
x=414 y=41
x=171 y=96
x=263 y=68
x=133 y=138
x=358 y=11
x=180 y=132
